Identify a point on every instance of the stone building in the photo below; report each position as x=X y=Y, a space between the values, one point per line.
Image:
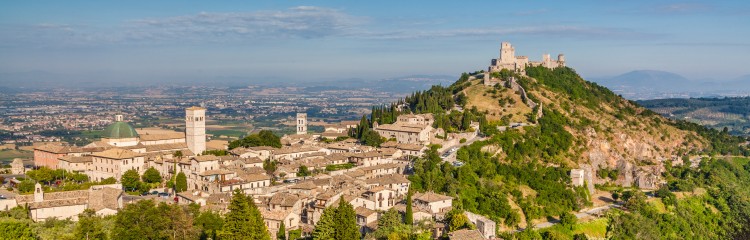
x=577 y=177
x=16 y=167
x=301 y=123
x=509 y=60
x=195 y=129
x=103 y=199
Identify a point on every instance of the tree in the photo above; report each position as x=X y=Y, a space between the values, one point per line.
x=458 y=220
x=346 y=222
x=16 y=229
x=130 y=180
x=89 y=226
x=152 y=175
x=409 y=215
x=295 y=234
x=269 y=166
x=325 y=228
x=243 y=220
x=302 y=171
x=281 y=234
x=181 y=183
x=177 y=154
x=615 y=195
x=580 y=236
x=210 y=223
x=141 y=220
x=568 y=220
x=26 y=186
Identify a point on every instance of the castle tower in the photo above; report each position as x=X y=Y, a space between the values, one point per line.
x=301 y=123
x=561 y=59
x=507 y=53
x=195 y=129
x=38 y=193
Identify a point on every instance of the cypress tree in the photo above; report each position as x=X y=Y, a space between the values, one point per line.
x=281 y=235
x=409 y=215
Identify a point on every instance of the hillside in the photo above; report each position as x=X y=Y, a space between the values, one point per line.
x=607 y=131
x=717 y=113
x=538 y=127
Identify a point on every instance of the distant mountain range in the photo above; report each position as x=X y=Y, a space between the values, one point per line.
x=653 y=84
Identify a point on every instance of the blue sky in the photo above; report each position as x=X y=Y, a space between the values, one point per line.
x=314 y=40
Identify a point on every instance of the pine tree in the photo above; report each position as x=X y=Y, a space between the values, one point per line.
x=324 y=229
x=409 y=215
x=243 y=220
x=346 y=222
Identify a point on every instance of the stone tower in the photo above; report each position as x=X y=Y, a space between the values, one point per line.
x=195 y=129
x=507 y=53
x=561 y=59
x=301 y=123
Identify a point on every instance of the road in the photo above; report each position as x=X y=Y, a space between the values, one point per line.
x=452 y=157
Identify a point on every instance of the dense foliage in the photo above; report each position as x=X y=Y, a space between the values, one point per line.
x=338 y=223
x=262 y=138
x=722 y=213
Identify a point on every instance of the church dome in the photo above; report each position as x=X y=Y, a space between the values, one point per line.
x=119 y=130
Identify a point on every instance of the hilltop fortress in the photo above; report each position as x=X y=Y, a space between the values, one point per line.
x=509 y=60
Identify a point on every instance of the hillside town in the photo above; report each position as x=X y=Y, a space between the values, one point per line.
x=292 y=184
x=370 y=178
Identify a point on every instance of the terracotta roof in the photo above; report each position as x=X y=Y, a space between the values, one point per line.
x=55 y=199
x=75 y=159
x=167 y=147
x=117 y=153
x=105 y=198
x=401 y=127
x=283 y=199
x=466 y=234
x=57 y=148
x=195 y=108
x=431 y=197
x=161 y=136
x=388 y=179
x=365 y=212
x=381 y=166
x=255 y=177
x=295 y=150
x=205 y=158
x=409 y=146
x=306 y=185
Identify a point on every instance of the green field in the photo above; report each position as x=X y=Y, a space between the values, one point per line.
x=227 y=132
x=7 y=156
x=593 y=229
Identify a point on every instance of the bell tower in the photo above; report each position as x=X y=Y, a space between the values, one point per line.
x=195 y=129
x=301 y=123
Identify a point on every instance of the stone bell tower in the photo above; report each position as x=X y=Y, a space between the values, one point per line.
x=301 y=123
x=195 y=129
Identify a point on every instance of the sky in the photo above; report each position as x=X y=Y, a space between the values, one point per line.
x=120 y=41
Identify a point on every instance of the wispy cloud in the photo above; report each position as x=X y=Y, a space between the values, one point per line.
x=303 y=22
x=548 y=31
x=297 y=22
